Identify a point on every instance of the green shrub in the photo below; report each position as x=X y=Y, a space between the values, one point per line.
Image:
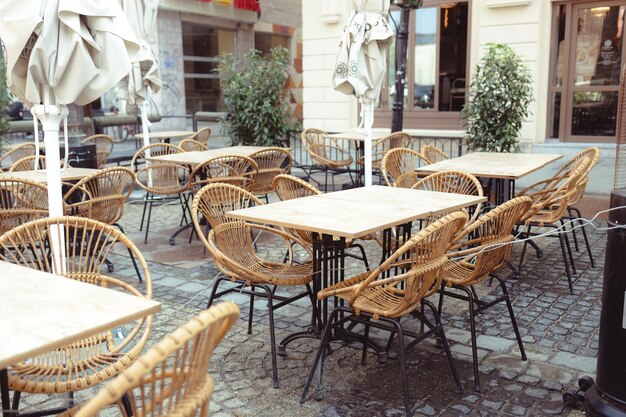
x=499 y=95
x=5 y=101
x=255 y=99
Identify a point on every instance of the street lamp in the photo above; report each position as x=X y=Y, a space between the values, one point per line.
x=401 y=49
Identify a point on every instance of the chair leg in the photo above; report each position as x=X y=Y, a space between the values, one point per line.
x=16 y=400
x=526 y=236
x=145 y=205
x=130 y=253
x=565 y=261
x=585 y=237
x=402 y=357
x=145 y=240
x=214 y=290
x=573 y=229
x=365 y=341
x=472 y=313
x=251 y=311
x=270 y=308
x=318 y=362
x=512 y=315
x=569 y=248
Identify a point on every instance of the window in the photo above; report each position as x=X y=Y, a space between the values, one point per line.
x=264 y=42
x=202 y=47
x=437 y=66
x=586 y=57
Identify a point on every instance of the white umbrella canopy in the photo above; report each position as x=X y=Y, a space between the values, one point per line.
x=60 y=52
x=362 y=62
x=145 y=75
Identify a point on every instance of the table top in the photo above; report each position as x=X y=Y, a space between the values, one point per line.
x=493 y=164
x=197 y=157
x=357 y=136
x=166 y=134
x=41 y=311
x=355 y=213
x=67 y=174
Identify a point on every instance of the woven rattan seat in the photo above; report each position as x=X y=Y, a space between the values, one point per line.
x=16 y=153
x=232 y=248
x=202 y=136
x=104 y=146
x=189 y=145
x=484 y=248
x=171 y=378
x=398 y=167
x=162 y=180
x=270 y=162
x=326 y=155
x=381 y=297
x=433 y=154
x=551 y=198
x=20 y=202
x=98 y=357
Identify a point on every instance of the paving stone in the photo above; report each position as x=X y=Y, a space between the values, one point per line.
x=582 y=363
x=426 y=410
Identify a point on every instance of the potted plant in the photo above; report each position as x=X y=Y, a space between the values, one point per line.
x=255 y=99
x=5 y=102
x=499 y=95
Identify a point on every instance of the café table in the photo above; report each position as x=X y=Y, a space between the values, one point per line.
x=67 y=174
x=501 y=168
x=41 y=311
x=166 y=135
x=198 y=157
x=349 y=214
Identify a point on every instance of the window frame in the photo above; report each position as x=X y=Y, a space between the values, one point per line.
x=415 y=117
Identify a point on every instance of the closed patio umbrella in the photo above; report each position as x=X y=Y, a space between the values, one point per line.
x=145 y=75
x=60 y=52
x=362 y=62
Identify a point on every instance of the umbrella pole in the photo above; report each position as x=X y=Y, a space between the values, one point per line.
x=50 y=117
x=368 y=122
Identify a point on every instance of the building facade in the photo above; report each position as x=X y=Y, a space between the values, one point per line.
x=573 y=49
x=191 y=35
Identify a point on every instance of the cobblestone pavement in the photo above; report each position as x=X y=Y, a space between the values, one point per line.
x=559 y=332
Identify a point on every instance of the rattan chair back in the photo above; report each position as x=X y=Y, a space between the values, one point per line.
x=87 y=244
x=238 y=170
x=594 y=155
x=484 y=246
x=213 y=201
x=271 y=162
x=28 y=163
x=171 y=378
x=324 y=151
x=398 y=167
x=101 y=195
x=381 y=146
x=16 y=153
x=163 y=178
x=189 y=145
x=202 y=136
x=104 y=146
x=20 y=202
x=415 y=270
x=455 y=182
x=288 y=187
x=433 y=154
x=154 y=149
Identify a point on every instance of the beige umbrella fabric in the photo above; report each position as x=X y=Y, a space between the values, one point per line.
x=362 y=63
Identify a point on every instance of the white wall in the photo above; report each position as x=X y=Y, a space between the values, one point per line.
x=523 y=24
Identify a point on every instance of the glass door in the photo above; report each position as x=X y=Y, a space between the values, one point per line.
x=596 y=55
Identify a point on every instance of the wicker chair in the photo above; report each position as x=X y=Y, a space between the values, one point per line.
x=16 y=153
x=382 y=297
x=455 y=182
x=21 y=201
x=563 y=173
x=98 y=357
x=154 y=149
x=238 y=170
x=398 y=167
x=162 y=181
x=171 y=378
x=432 y=154
x=104 y=146
x=549 y=209
x=28 y=163
x=189 y=145
x=202 y=136
x=381 y=146
x=326 y=155
x=271 y=162
x=484 y=248
x=102 y=196
x=232 y=249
